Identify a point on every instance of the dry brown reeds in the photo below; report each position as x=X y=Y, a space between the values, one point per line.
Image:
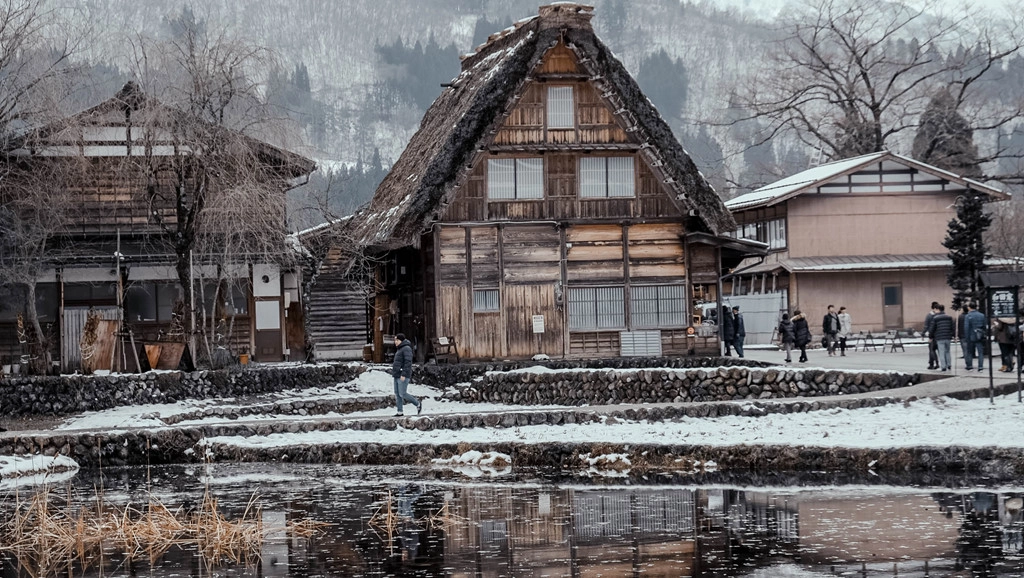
x=47 y=538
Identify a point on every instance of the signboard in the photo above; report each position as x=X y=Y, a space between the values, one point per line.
x=1003 y=303
x=538 y=324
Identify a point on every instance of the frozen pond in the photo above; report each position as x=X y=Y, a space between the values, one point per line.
x=415 y=522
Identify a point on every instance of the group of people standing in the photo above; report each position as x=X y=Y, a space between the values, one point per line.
x=835 y=327
x=972 y=329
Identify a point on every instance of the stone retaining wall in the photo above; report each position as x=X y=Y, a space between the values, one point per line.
x=67 y=394
x=612 y=386
x=445 y=375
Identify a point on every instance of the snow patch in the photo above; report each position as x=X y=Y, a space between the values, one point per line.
x=15 y=470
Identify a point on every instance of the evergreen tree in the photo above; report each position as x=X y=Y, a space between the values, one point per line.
x=945 y=139
x=664 y=80
x=485 y=28
x=967 y=249
x=708 y=156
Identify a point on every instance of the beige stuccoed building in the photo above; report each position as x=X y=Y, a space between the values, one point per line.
x=864 y=232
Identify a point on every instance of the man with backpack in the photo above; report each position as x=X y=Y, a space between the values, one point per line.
x=976 y=333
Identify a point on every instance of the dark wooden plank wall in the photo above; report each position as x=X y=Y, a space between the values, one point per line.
x=109 y=193
x=107 y=198
x=525 y=261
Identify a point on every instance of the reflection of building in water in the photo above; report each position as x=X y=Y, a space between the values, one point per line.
x=512 y=531
x=1011 y=520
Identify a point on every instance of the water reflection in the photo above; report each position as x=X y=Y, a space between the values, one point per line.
x=397 y=522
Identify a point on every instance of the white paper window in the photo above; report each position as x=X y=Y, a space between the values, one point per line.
x=501 y=178
x=560 y=107
x=603 y=177
x=620 y=177
x=529 y=178
x=657 y=306
x=485 y=300
x=268 y=315
x=510 y=179
x=596 y=308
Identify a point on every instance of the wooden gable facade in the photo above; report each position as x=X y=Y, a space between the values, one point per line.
x=564 y=228
x=561 y=274
x=107 y=211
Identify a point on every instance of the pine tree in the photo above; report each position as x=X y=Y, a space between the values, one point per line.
x=967 y=249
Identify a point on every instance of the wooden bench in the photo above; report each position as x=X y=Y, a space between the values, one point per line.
x=444 y=349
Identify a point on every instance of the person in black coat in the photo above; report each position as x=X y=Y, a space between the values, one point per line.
x=739 y=331
x=802 y=333
x=401 y=370
x=787 y=336
x=728 y=330
x=942 y=330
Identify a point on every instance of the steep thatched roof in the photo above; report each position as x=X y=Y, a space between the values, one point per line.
x=465 y=117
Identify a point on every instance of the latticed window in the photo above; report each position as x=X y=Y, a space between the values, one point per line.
x=602 y=177
x=560 y=107
x=594 y=308
x=657 y=306
x=485 y=300
x=511 y=179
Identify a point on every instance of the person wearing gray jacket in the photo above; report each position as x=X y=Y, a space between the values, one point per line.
x=401 y=370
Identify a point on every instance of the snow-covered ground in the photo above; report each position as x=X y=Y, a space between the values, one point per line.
x=935 y=421
x=926 y=422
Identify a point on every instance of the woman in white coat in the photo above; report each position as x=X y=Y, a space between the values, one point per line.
x=845 y=329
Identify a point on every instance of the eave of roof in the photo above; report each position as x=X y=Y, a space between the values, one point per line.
x=804 y=181
x=859 y=263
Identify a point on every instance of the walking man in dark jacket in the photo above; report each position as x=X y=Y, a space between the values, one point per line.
x=830 y=327
x=401 y=370
x=941 y=330
x=739 y=331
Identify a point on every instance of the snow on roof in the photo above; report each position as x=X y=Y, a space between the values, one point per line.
x=798 y=181
x=826 y=172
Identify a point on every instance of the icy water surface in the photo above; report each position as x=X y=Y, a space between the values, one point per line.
x=414 y=522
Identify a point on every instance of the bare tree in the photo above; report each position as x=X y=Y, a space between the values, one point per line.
x=215 y=189
x=852 y=77
x=35 y=211
x=36 y=46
